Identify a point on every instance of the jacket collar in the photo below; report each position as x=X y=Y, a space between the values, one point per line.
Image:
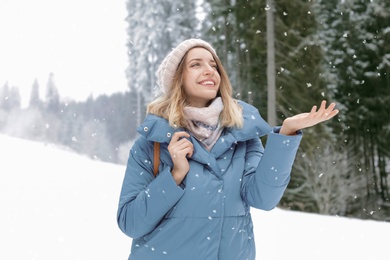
x=157 y=129
x=254 y=124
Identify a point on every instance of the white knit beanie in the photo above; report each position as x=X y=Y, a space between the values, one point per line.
x=168 y=66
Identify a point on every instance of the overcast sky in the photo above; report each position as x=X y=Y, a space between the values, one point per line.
x=81 y=42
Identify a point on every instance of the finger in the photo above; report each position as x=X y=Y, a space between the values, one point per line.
x=173 y=145
x=322 y=111
x=181 y=149
x=333 y=113
x=187 y=152
x=329 y=111
x=190 y=150
x=181 y=144
x=323 y=105
x=178 y=135
x=313 y=111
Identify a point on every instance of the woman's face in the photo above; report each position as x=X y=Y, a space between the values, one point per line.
x=201 y=78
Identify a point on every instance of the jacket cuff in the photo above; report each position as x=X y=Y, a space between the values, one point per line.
x=167 y=186
x=276 y=130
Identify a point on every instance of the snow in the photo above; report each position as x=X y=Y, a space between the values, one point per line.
x=56 y=204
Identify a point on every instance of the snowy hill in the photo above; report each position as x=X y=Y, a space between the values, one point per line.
x=59 y=205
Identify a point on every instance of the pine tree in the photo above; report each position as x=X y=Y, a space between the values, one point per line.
x=52 y=100
x=35 y=100
x=9 y=98
x=298 y=67
x=236 y=30
x=355 y=36
x=4 y=96
x=154 y=28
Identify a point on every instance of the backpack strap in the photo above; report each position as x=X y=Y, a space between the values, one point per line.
x=156 y=158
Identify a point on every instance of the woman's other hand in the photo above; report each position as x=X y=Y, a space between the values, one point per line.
x=305 y=120
x=180 y=148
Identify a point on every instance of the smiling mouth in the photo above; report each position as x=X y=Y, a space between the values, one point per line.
x=207 y=83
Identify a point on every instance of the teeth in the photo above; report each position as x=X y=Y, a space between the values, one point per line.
x=207 y=83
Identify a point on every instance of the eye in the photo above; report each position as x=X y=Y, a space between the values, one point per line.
x=195 y=64
x=214 y=66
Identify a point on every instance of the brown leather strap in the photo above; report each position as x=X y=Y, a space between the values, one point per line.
x=156 y=158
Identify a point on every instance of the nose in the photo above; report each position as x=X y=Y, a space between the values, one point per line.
x=209 y=70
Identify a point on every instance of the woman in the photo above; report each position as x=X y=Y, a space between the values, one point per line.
x=213 y=166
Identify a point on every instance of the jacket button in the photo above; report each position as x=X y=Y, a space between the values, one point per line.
x=146 y=129
x=168 y=134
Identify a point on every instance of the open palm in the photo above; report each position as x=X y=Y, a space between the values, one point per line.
x=305 y=120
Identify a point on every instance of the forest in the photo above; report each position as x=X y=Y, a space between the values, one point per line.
x=337 y=50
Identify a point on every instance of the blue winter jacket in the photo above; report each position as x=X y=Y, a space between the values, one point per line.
x=207 y=217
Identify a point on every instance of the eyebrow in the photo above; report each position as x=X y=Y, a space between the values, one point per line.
x=199 y=59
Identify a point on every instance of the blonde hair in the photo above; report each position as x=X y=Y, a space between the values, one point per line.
x=170 y=105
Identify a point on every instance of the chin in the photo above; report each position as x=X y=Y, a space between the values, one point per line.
x=211 y=97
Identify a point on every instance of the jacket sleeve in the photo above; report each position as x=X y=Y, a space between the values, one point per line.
x=267 y=171
x=144 y=199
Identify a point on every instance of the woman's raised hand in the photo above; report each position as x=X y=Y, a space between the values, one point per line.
x=305 y=120
x=180 y=148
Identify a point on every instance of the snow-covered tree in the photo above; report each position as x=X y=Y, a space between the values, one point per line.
x=355 y=36
x=52 y=98
x=27 y=123
x=35 y=100
x=229 y=26
x=93 y=140
x=9 y=98
x=154 y=28
x=326 y=183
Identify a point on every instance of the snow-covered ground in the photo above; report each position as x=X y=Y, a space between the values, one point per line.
x=59 y=205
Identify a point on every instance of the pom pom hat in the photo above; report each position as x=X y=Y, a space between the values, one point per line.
x=168 y=66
